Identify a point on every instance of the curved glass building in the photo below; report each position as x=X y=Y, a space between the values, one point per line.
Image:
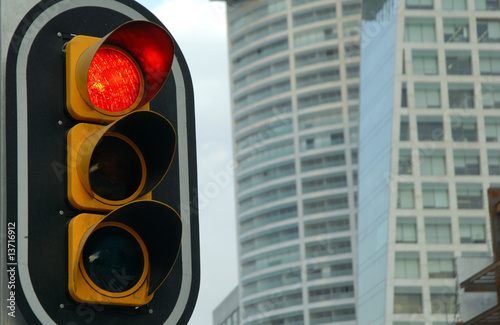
x=294 y=68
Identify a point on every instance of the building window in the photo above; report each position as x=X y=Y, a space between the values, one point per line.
x=454 y=4
x=419 y=4
x=406 y=230
x=351 y=28
x=404 y=129
x=458 y=62
x=490 y=95
x=489 y=63
x=494 y=162
x=314 y=36
x=406 y=199
x=420 y=30
x=430 y=128
x=433 y=162
x=435 y=196
x=437 y=230
x=472 y=230
x=352 y=50
x=488 y=31
x=404 y=162
x=319 y=14
x=463 y=128
x=351 y=8
x=461 y=95
x=331 y=292
x=404 y=95
x=466 y=162
x=443 y=300
x=317 y=56
x=352 y=70
x=441 y=265
x=469 y=196
x=352 y=92
x=424 y=62
x=492 y=128
x=456 y=30
x=407 y=300
x=407 y=265
x=487 y=4
x=427 y=96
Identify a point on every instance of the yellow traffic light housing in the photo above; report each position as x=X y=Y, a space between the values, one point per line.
x=116 y=164
x=122 y=258
x=109 y=77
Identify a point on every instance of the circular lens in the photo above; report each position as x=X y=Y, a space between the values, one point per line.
x=113 y=259
x=115 y=170
x=113 y=82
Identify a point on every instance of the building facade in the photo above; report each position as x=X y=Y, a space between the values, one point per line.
x=294 y=69
x=429 y=151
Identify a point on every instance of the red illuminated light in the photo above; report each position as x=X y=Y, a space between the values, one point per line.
x=114 y=82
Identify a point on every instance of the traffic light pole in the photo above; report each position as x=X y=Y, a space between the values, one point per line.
x=11 y=13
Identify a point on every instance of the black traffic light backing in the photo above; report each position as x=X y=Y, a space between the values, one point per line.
x=37 y=125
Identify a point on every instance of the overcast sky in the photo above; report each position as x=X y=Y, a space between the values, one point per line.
x=199 y=26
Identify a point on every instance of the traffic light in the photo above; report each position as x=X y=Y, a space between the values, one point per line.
x=100 y=168
x=120 y=258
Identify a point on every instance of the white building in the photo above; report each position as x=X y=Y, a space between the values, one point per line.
x=429 y=150
x=295 y=88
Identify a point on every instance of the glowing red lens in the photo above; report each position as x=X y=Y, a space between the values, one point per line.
x=113 y=82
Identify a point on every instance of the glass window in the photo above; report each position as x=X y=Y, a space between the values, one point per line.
x=419 y=4
x=318 y=14
x=318 y=77
x=404 y=162
x=425 y=62
x=406 y=230
x=351 y=8
x=466 y=162
x=472 y=230
x=463 y=128
x=330 y=292
x=324 y=161
x=494 y=162
x=407 y=265
x=351 y=28
x=487 y=4
x=331 y=225
x=490 y=95
x=455 y=30
x=407 y=300
x=443 y=300
x=406 y=199
x=404 y=95
x=441 y=265
x=353 y=92
x=316 y=56
x=488 y=31
x=435 y=196
x=352 y=50
x=430 y=128
x=432 y=162
x=437 y=230
x=313 y=36
x=427 y=96
x=454 y=4
x=489 y=63
x=420 y=30
x=469 y=196
x=352 y=70
x=404 y=129
x=458 y=63
x=492 y=128
x=461 y=95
